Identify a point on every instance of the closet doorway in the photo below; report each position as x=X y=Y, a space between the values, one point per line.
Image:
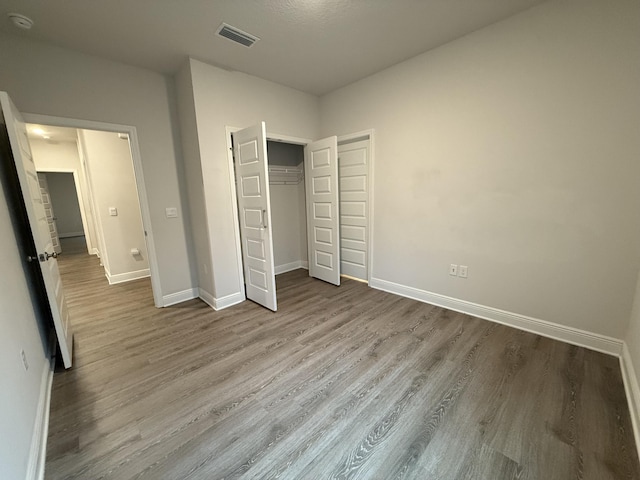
x=299 y=206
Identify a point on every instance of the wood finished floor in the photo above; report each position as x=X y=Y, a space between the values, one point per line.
x=340 y=383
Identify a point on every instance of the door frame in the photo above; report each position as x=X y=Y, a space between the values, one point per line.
x=354 y=137
x=274 y=137
x=138 y=174
x=351 y=137
x=83 y=214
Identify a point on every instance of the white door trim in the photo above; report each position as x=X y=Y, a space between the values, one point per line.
x=139 y=177
x=362 y=135
x=370 y=133
x=236 y=219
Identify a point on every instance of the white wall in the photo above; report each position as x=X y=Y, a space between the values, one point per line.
x=287 y=225
x=113 y=185
x=513 y=150
x=288 y=217
x=49 y=80
x=193 y=172
x=64 y=200
x=223 y=98
x=20 y=390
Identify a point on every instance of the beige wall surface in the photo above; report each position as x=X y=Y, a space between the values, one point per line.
x=53 y=156
x=44 y=79
x=514 y=151
x=113 y=185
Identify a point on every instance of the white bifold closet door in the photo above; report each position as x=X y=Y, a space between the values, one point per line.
x=353 y=159
x=45 y=254
x=254 y=209
x=323 y=216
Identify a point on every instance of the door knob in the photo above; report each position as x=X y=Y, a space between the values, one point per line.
x=48 y=255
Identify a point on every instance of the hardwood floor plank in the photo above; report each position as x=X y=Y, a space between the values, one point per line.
x=341 y=382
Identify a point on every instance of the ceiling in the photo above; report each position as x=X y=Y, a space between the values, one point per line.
x=312 y=45
x=51 y=134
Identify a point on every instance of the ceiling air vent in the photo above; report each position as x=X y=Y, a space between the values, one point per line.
x=236 y=35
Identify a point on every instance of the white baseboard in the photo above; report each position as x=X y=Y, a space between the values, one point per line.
x=207 y=298
x=574 y=336
x=228 y=301
x=287 y=267
x=179 y=297
x=632 y=389
x=223 y=302
x=127 y=276
x=37 y=454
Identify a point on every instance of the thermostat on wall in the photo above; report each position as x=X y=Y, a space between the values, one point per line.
x=113 y=211
x=171 y=212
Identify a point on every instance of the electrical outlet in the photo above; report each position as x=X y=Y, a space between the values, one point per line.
x=453 y=269
x=462 y=271
x=171 y=212
x=25 y=363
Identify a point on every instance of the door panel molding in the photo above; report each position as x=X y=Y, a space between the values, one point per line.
x=323 y=210
x=273 y=136
x=254 y=206
x=352 y=138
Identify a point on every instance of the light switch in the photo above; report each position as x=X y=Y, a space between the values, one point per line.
x=113 y=211
x=171 y=212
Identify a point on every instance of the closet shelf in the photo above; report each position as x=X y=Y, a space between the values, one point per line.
x=279 y=175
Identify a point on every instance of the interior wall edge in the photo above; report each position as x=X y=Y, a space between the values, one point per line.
x=206 y=297
x=235 y=219
x=228 y=301
x=179 y=297
x=37 y=454
x=555 y=331
x=632 y=389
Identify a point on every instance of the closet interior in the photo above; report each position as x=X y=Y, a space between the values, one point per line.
x=288 y=206
x=288 y=210
x=301 y=206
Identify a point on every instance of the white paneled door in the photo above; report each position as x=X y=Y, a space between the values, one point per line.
x=354 y=193
x=254 y=209
x=45 y=255
x=323 y=230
